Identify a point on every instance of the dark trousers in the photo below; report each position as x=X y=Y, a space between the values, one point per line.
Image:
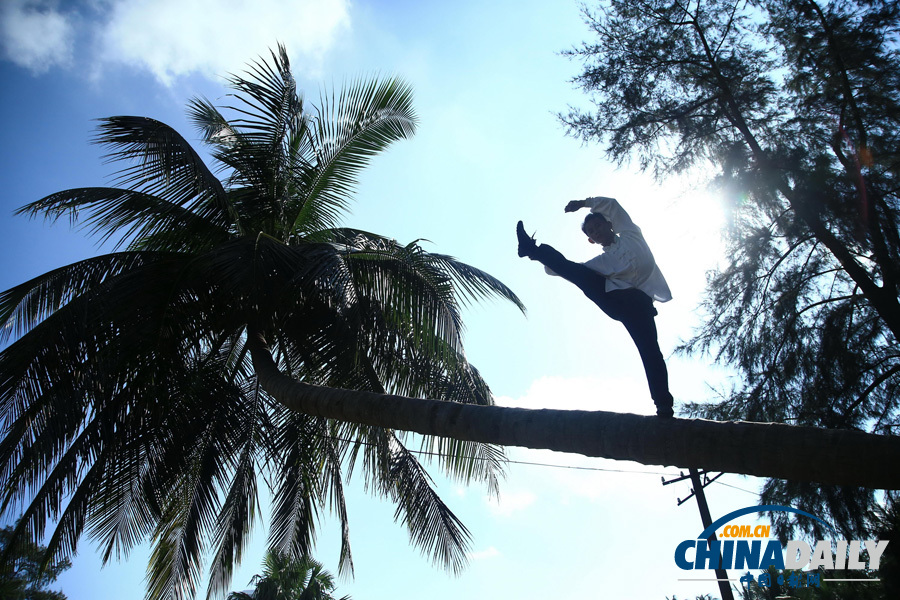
x=631 y=307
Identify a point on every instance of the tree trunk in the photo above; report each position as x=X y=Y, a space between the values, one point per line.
x=828 y=456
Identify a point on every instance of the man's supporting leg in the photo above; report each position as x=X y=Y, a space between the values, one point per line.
x=642 y=329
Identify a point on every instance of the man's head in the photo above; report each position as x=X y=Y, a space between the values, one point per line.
x=598 y=229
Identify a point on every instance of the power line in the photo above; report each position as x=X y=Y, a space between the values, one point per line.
x=539 y=464
x=736 y=487
x=555 y=466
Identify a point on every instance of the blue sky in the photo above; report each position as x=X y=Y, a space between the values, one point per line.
x=488 y=79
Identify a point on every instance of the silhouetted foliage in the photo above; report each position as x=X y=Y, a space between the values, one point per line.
x=23 y=576
x=788 y=583
x=797 y=107
x=286 y=578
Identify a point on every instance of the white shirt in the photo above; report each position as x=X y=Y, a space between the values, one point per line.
x=627 y=262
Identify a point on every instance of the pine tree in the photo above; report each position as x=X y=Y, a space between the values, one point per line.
x=23 y=576
x=796 y=105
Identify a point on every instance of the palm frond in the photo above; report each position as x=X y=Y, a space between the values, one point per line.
x=469 y=461
x=70 y=524
x=269 y=96
x=412 y=295
x=350 y=128
x=264 y=144
x=432 y=526
x=332 y=477
x=234 y=521
x=475 y=284
x=181 y=537
x=125 y=507
x=204 y=472
x=165 y=165
x=49 y=502
x=298 y=492
x=132 y=217
x=214 y=128
x=24 y=306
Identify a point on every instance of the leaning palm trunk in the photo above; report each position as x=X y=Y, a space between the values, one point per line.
x=828 y=456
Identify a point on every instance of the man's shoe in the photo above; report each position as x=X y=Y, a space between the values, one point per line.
x=665 y=412
x=527 y=245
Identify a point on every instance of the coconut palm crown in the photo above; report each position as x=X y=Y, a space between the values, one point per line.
x=285 y=578
x=130 y=408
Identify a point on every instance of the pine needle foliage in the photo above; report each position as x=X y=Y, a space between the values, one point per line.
x=795 y=105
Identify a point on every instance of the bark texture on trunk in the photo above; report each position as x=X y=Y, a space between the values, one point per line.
x=828 y=456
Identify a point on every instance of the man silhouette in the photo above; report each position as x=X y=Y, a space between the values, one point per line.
x=623 y=281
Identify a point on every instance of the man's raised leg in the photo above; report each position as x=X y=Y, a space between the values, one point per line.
x=592 y=283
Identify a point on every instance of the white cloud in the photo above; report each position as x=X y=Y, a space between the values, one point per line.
x=585 y=393
x=35 y=35
x=169 y=38
x=172 y=38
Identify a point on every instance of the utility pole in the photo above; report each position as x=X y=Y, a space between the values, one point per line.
x=694 y=476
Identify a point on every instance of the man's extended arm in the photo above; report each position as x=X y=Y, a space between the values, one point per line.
x=609 y=208
x=574 y=205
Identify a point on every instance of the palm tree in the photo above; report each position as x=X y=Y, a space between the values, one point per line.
x=284 y=578
x=130 y=406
